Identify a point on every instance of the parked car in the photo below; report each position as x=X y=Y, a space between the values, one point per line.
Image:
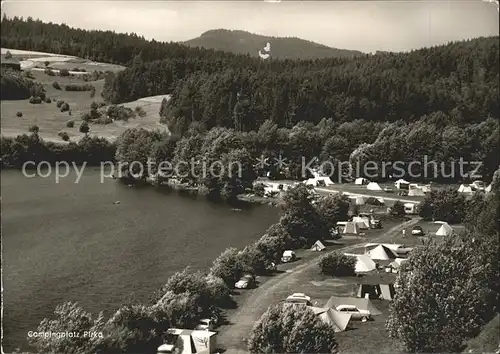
x=388 y=190
x=206 y=324
x=299 y=298
x=356 y=314
x=288 y=256
x=417 y=231
x=246 y=282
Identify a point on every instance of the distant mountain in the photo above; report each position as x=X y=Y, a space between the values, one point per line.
x=243 y=42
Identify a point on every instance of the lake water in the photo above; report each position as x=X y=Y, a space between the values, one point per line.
x=69 y=242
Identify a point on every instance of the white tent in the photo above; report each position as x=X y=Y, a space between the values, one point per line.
x=401 y=182
x=416 y=192
x=444 y=230
x=337 y=319
x=381 y=253
x=350 y=228
x=373 y=186
x=488 y=189
x=318 y=246
x=362 y=222
x=204 y=341
x=465 y=189
x=360 y=200
x=361 y=181
x=363 y=263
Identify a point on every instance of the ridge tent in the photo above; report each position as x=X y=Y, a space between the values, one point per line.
x=373 y=186
x=363 y=263
x=318 y=246
x=363 y=304
x=330 y=316
x=350 y=228
x=360 y=181
x=381 y=253
x=378 y=291
x=360 y=200
x=488 y=189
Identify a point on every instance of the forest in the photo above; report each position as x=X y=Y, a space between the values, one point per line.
x=439 y=102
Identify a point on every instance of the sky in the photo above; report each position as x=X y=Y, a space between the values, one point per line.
x=367 y=26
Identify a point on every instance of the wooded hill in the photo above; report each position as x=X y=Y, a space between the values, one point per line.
x=242 y=42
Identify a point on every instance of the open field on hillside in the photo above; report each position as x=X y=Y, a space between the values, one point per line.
x=51 y=121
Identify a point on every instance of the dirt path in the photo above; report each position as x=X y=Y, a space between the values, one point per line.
x=250 y=310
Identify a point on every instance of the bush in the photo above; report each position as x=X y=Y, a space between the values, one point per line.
x=8 y=55
x=442 y=281
x=64 y=72
x=59 y=103
x=56 y=85
x=64 y=136
x=76 y=87
x=35 y=100
x=86 y=117
x=333 y=208
x=337 y=264
x=19 y=114
x=94 y=105
x=65 y=107
x=70 y=123
x=29 y=75
x=48 y=100
x=398 y=209
x=291 y=329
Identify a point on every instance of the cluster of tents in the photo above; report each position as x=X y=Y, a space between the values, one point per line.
x=391 y=254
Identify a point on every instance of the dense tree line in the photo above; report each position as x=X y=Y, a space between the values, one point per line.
x=31 y=147
x=459 y=79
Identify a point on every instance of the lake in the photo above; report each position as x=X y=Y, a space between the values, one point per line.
x=69 y=242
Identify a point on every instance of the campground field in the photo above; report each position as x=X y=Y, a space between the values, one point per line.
x=49 y=118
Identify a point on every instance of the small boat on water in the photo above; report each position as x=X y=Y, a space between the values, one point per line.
x=116 y=202
x=235 y=209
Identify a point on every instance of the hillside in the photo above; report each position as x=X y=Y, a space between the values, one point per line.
x=242 y=42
